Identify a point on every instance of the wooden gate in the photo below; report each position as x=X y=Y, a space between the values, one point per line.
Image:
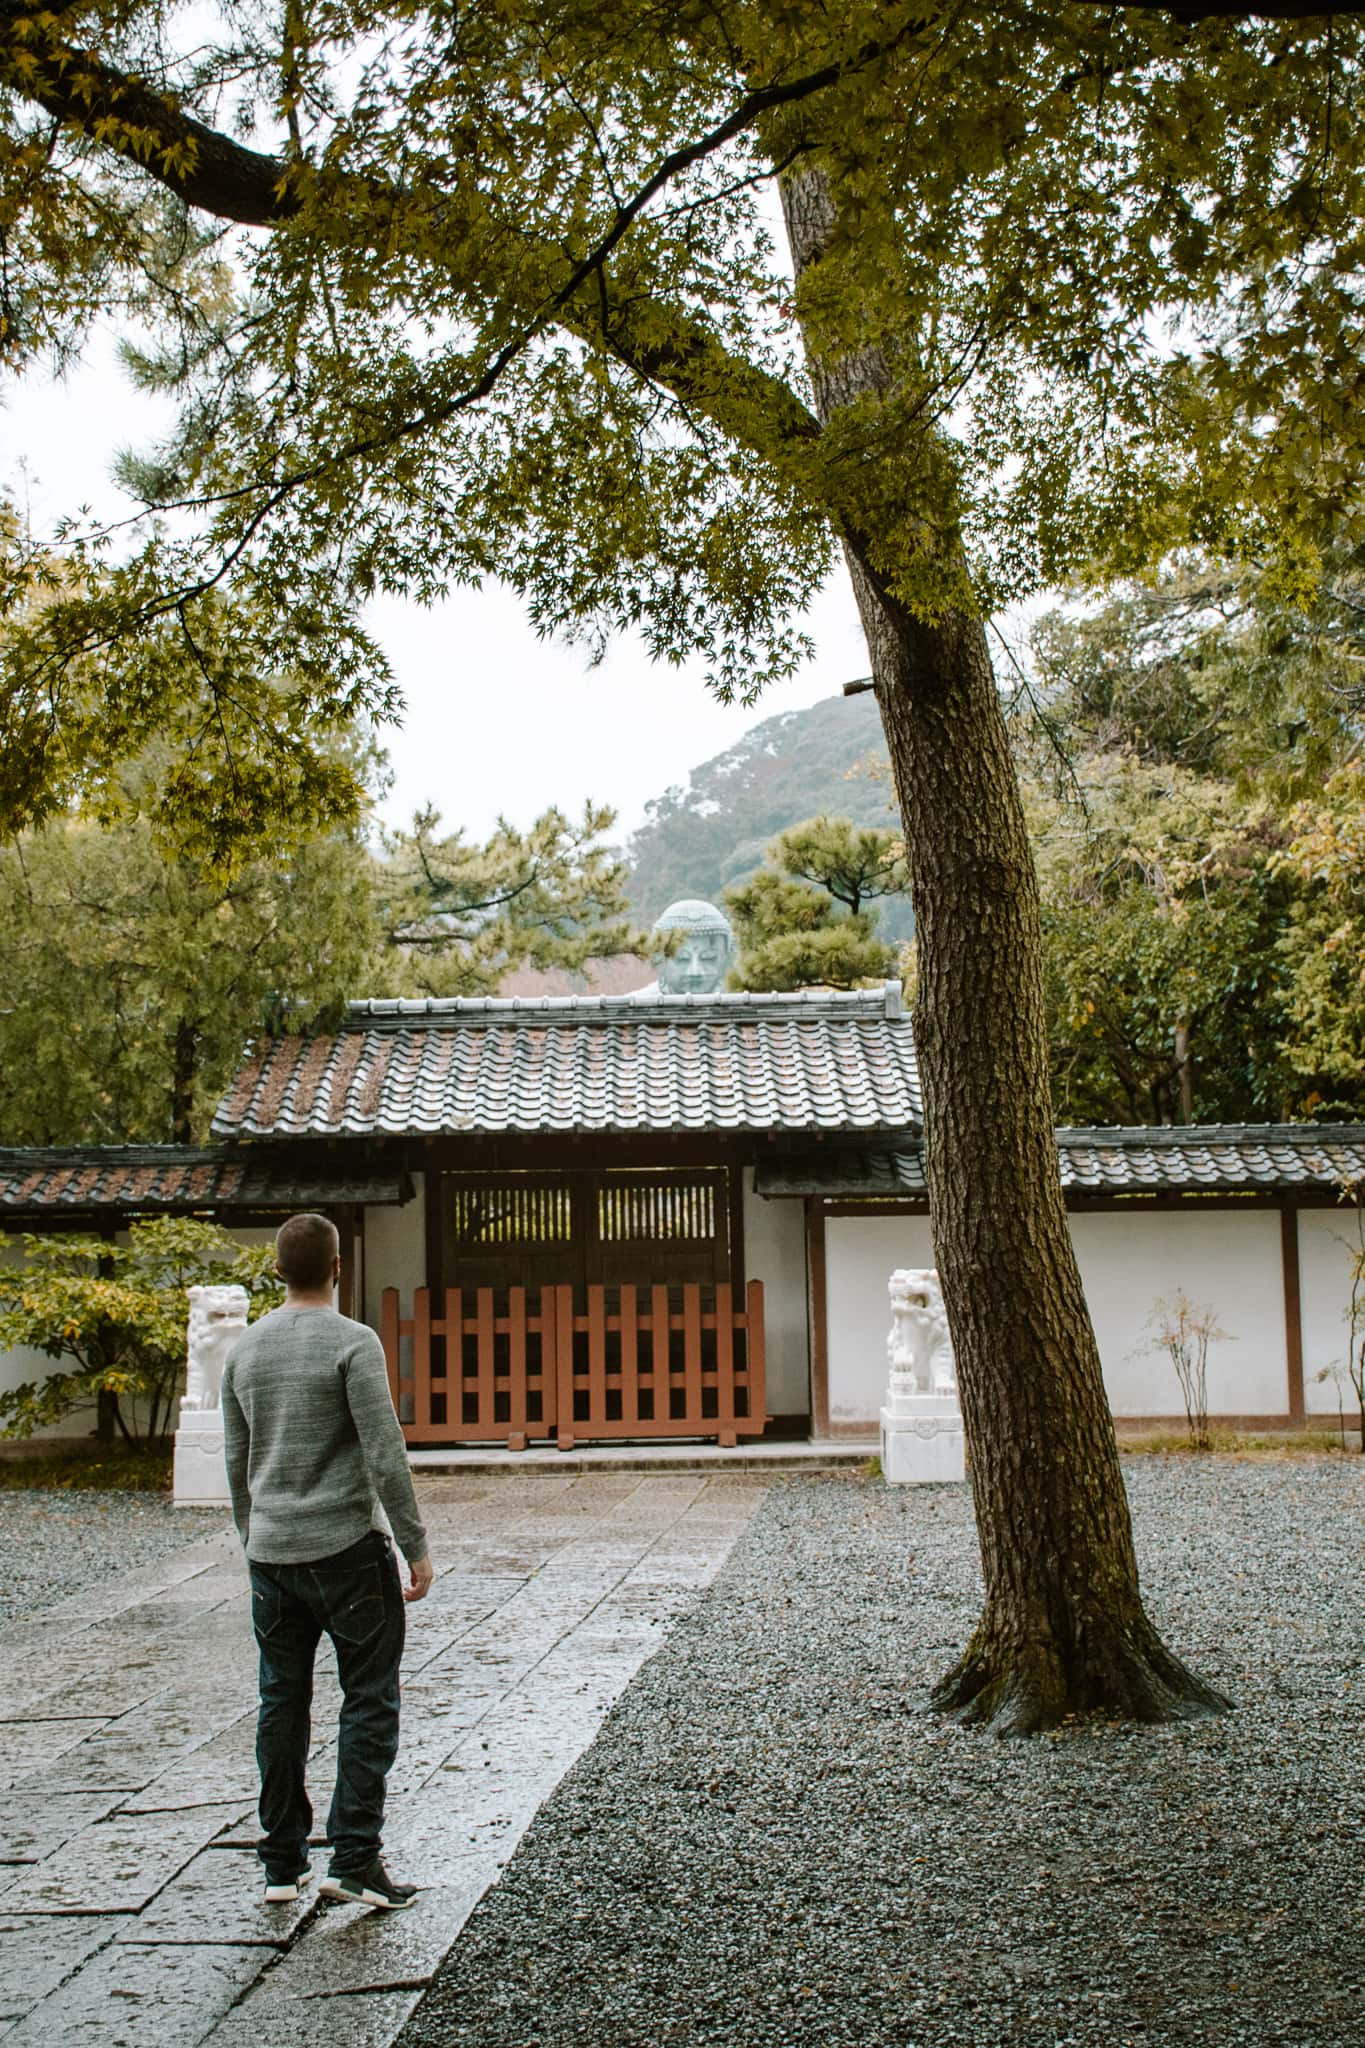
x=582 y=1227
x=620 y=1362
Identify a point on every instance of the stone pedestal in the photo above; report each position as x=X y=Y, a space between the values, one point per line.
x=922 y=1440
x=200 y=1474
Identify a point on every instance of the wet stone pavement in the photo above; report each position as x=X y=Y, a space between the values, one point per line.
x=131 y=1913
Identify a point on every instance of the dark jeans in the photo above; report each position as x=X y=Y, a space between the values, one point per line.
x=357 y=1600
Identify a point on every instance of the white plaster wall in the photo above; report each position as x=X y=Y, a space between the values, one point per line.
x=1226 y=1259
x=395 y=1252
x=1327 y=1239
x=775 y=1253
x=22 y=1364
x=861 y=1253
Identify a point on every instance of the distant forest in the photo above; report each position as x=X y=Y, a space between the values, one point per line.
x=713 y=830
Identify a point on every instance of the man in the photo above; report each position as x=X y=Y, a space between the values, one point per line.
x=314 y=1450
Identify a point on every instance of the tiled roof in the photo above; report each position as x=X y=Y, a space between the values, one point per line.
x=1276 y=1156
x=1115 y=1159
x=827 y=1061
x=141 y=1179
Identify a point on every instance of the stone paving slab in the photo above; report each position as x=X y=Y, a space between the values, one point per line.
x=351 y=1950
x=219 y=1897
x=31 y=1970
x=347 y=2020
x=138 y=1747
x=159 y=1797
x=198 y=1780
x=141 y=1998
x=142 y=1583
x=31 y=1829
x=137 y=1917
x=116 y=1865
x=25 y=1746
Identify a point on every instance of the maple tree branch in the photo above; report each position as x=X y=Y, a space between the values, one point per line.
x=199 y=164
x=210 y=171
x=1266 y=10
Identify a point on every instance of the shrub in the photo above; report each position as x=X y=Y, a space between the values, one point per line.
x=118 y=1312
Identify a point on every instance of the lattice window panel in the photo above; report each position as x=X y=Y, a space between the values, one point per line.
x=510 y=1216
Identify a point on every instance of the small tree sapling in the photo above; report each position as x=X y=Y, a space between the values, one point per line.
x=1184 y=1331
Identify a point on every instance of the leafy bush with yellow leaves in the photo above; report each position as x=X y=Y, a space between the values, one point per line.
x=117 y=1312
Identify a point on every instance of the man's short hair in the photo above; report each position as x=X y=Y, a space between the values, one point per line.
x=305 y=1247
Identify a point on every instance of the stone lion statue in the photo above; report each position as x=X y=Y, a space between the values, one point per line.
x=217 y=1320
x=919 y=1348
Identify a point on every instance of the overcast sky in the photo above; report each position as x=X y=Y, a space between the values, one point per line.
x=497 y=720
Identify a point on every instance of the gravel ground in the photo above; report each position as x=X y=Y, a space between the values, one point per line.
x=769 y=1847
x=53 y=1543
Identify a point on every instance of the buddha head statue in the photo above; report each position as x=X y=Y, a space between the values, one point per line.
x=704 y=951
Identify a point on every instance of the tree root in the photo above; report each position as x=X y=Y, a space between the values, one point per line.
x=1024 y=1688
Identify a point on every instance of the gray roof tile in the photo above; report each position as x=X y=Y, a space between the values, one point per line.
x=174 y=1179
x=1117 y=1159
x=822 y=1061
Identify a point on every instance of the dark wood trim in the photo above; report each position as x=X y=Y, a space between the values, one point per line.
x=1293 y=1312
x=734 y=1180
x=817 y=1311
x=431 y=1204
x=592 y=1151
x=1135 y=1204
x=849 y=1205
x=792 y=1429
x=99 y=1223
x=344 y=1218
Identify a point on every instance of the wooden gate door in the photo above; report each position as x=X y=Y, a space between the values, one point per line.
x=580 y=1304
x=621 y=1363
x=641 y=1227
x=660 y=1363
x=483 y=1371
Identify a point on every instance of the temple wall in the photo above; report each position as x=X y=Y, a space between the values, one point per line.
x=1327 y=1238
x=395 y=1253
x=861 y=1252
x=775 y=1253
x=1225 y=1258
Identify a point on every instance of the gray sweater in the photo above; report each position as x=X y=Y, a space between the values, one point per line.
x=312 y=1443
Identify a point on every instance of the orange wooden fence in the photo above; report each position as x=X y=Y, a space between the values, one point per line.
x=533 y=1363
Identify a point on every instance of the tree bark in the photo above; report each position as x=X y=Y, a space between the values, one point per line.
x=184 y=1074
x=1185 y=1068
x=1063 y=1630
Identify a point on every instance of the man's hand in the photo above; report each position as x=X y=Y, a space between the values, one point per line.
x=419 y=1580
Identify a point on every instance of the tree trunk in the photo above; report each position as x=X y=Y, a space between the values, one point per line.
x=1063 y=1630
x=184 y=1073
x=1185 y=1066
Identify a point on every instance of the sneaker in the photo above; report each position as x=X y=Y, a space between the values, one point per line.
x=371 y=1886
x=282 y=1891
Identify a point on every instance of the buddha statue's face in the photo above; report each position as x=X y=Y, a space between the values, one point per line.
x=699 y=966
x=704 y=948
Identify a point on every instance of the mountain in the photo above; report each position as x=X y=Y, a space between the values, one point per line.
x=714 y=829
